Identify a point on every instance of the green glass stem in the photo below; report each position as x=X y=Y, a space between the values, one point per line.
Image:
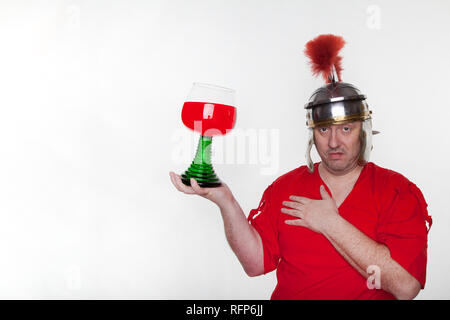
x=201 y=168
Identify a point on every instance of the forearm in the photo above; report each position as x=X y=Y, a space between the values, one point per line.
x=362 y=252
x=348 y=259
x=353 y=245
x=243 y=239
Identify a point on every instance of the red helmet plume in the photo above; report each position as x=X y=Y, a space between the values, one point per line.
x=323 y=54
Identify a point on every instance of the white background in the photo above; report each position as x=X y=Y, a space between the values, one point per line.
x=90 y=98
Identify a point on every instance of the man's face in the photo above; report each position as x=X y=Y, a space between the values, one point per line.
x=339 y=146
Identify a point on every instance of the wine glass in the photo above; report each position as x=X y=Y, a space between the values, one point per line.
x=210 y=111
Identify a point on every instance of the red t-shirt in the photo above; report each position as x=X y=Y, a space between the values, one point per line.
x=383 y=204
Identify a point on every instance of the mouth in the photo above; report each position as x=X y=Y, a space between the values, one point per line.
x=335 y=155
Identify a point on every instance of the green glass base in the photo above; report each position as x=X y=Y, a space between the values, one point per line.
x=201 y=168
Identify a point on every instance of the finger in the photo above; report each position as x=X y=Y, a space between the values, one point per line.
x=324 y=194
x=178 y=184
x=296 y=222
x=176 y=180
x=198 y=190
x=299 y=199
x=292 y=212
x=291 y=204
x=172 y=178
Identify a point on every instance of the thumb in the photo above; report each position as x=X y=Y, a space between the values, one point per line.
x=324 y=193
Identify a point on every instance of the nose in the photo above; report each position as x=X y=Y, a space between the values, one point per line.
x=333 y=140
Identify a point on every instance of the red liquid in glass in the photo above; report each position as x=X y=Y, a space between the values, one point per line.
x=208 y=119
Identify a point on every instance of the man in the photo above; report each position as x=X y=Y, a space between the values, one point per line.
x=343 y=228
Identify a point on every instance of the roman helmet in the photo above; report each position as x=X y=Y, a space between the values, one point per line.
x=336 y=102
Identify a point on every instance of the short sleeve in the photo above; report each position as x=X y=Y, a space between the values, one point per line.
x=403 y=229
x=264 y=220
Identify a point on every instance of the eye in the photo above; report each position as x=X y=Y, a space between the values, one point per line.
x=323 y=129
x=346 y=129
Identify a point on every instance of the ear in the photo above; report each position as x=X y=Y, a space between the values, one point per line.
x=324 y=193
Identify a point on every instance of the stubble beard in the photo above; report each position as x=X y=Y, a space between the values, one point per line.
x=340 y=166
